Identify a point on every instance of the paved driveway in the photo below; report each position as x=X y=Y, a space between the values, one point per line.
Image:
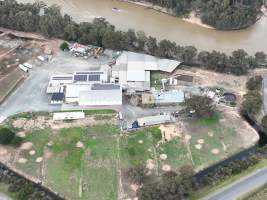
x=31 y=94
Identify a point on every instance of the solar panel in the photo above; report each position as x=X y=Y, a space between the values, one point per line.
x=94 y=77
x=57 y=96
x=81 y=73
x=80 y=77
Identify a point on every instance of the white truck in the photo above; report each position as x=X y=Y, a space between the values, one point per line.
x=22 y=67
x=28 y=65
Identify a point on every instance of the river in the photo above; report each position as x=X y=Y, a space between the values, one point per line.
x=163 y=26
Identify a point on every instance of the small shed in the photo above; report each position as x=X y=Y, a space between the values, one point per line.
x=68 y=116
x=154 y=120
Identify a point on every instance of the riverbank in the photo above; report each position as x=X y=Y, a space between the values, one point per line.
x=192 y=18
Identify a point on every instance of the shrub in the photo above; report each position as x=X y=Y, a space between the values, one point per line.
x=137 y=174
x=17 y=141
x=6 y=136
x=64 y=46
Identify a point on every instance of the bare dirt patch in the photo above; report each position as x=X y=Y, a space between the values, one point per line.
x=22 y=160
x=163 y=156
x=79 y=144
x=247 y=134
x=166 y=168
x=32 y=152
x=26 y=146
x=171 y=131
x=21 y=134
x=150 y=164
x=42 y=122
x=208 y=78
x=39 y=159
x=215 y=151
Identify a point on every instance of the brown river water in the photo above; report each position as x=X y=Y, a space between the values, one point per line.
x=163 y=26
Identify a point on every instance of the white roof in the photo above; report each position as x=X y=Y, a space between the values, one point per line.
x=101 y=97
x=68 y=115
x=73 y=90
x=153 y=120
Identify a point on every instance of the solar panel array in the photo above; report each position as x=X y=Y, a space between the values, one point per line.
x=58 y=78
x=87 y=76
x=80 y=78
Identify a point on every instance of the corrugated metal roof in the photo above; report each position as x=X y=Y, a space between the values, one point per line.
x=154 y=120
x=105 y=87
x=172 y=96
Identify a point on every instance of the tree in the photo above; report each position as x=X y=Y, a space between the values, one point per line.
x=254 y=83
x=252 y=103
x=152 y=46
x=260 y=58
x=201 y=105
x=64 y=46
x=264 y=122
x=189 y=54
x=137 y=174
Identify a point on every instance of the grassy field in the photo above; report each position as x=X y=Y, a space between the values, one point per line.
x=92 y=169
x=217 y=136
x=84 y=170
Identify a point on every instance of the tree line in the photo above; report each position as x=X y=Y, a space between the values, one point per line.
x=49 y=21
x=221 y=14
x=252 y=102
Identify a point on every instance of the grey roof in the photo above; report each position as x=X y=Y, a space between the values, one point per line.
x=105 y=87
x=173 y=96
x=185 y=78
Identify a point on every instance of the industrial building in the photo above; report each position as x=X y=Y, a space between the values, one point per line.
x=132 y=70
x=86 y=88
x=94 y=94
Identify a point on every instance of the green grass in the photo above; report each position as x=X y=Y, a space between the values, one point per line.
x=177 y=154
x=210 y=121
x=132 y=152
x=39 y=138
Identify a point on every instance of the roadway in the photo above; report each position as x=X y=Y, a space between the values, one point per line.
x=4 y=197
x=241 y=187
